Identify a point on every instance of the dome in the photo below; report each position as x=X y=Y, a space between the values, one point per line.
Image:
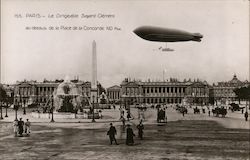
x=235 y=80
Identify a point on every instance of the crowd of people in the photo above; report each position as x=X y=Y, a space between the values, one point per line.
x=20 y=127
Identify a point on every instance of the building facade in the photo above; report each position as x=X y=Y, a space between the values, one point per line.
x=32 y=92
x=135 y=91
x=223 y=92
x=114 y=94
x=173 y=91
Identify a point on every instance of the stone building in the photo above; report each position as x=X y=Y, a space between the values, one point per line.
x=172 y=91
x=9 y=90
x=114 y=94
x=32 y=92
x=223 y=92
x=198 y=92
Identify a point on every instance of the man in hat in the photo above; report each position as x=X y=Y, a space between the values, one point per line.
x=140 y=128
x=123 y=121
x=112 y=133
x=246 y=115
x=130 y=135
x=27 y=127
x=20 y=127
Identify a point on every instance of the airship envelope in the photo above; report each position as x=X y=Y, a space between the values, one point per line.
x=166 y=34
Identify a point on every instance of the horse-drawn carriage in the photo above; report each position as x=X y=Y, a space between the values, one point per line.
x=182 y=109
x=217 y=111
x=235 y=107
x=196 y=110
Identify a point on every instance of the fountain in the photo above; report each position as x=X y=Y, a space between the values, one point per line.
x=67 y=100
x=66 y=97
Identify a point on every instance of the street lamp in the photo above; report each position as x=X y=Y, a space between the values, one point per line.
x=16 y=108
x=93 y=105
x=24 y=103
x=6 y=108
x=1 y=103
x=52 y=109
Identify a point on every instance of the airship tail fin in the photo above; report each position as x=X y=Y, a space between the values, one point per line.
x=197 y=37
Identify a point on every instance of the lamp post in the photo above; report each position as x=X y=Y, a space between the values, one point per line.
x=193 y=97
x=15 y=108
x=93 y=105
x=24 y=103
x=6 y=109
x=52 y=109
x=1 y=103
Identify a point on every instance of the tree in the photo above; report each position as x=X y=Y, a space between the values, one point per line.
x=3 y=98
x=3 y=94
x=238 y=92
x=242 y=93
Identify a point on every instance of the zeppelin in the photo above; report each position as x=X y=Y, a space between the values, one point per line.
x=166 y=35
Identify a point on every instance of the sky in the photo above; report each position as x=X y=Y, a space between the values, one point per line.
x=53 y=54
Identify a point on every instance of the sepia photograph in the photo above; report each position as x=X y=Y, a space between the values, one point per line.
x=125 y=80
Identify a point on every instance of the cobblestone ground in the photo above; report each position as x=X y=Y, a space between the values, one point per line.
x=190 y=139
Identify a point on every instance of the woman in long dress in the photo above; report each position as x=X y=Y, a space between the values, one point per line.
x=130 y=135
x=15 y=127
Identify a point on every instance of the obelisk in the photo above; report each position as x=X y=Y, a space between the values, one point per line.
x=94 y=74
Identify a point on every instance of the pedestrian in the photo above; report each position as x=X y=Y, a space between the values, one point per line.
x=140 y=128
x=140 y=114
x=203 y=110
x=123 y=121
x=120 y=109
x=209 y=112
x=27 y=127
x=15 y=127
x=246 y=115
x=130 y=135
x=242 y=110
x=165 y=113
x=128 y=115
x=112 y=133
x=100 y=114
x=20 y=127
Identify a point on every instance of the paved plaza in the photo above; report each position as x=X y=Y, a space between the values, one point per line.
x=188 y=137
